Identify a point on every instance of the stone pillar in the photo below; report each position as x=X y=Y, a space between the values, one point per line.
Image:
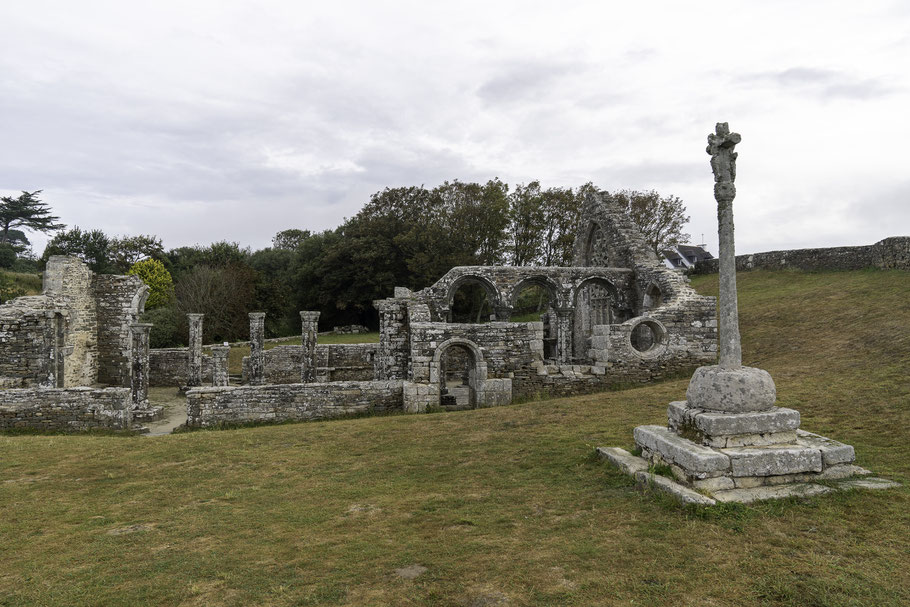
x=194 y=370
x=309 y=330
x=220 y=365
x=257 y=344
x=139 y=364
x=394 y=341
x=564 y=318
x=723 y=162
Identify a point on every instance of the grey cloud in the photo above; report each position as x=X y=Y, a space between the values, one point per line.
x=524 y=81
x=823 y=83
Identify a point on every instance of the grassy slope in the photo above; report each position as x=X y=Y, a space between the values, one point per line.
x=498 y=504
x=27 y=284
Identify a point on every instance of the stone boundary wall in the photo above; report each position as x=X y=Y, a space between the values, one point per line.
x=334 y=362
x=350 y=330
x=170 y=367
x=68 y=409
x=208 y=407
x=890 y=253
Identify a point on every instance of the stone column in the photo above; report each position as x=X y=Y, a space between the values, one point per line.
x=220 y=365
x=257 y=352
x=309 y=330
x=194 y=371
x=564 y=318
x=723 y=163
x=139 y=364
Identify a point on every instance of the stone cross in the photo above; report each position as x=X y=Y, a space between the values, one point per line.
x=723 y=163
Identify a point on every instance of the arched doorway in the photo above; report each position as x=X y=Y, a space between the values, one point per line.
x=461 y=374
x=594 y=302
x=534 y=299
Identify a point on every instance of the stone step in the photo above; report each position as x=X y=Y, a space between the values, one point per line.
x=622 y=459
x=774 y=460
x=833 y=452
x=693 y=458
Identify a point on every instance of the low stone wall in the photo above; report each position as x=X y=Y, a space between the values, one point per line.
x=890 y=253
x=68 y=409
x=334 y=362
x=350 y=330
x=170 y=367
x=207 y=407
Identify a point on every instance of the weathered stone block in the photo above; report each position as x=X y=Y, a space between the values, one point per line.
x=833 y=452
x=731 y=390
x=772 y=461
x=695 y=459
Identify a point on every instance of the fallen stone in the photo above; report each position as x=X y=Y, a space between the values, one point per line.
x=622 y=459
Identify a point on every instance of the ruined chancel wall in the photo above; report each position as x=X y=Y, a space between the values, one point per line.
x=76 y=334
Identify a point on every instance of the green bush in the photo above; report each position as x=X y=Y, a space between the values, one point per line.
x=159 y=281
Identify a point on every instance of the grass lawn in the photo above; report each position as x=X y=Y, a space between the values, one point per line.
x=502 y=506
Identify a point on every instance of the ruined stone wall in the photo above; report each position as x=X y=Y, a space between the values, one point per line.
x=170 y=367
x=334 y=362
x=207 y=407
x=890 y=253
x=505 y=346
x=26 y=343
x=120 y=300
x=68 y=286
x=67 y=409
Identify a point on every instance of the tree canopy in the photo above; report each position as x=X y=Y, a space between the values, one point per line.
x=26 y=211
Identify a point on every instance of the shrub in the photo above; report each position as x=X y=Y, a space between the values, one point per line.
x=159 y=281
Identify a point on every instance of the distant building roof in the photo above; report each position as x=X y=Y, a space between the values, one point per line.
x=685 y=255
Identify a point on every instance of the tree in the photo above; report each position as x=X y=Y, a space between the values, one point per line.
x=27 y=212
x=157 y=278
x=126 y=251
x=93 y=247
x=661 y=219
x=290 y=239
x=225 y=295
x=526 y=222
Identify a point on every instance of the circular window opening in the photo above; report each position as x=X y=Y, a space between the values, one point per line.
x=648 y=337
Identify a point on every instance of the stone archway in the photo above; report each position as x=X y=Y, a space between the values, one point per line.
x=493 y=298
x=595 y=299
x=549 y=301
x=461 y=373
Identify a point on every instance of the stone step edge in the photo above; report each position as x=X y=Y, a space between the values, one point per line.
x=637 y=467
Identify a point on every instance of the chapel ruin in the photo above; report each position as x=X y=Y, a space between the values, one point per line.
x=616 y=316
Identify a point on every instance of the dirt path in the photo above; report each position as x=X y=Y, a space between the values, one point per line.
x=174 y=411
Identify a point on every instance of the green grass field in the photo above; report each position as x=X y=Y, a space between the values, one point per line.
x=502 y=506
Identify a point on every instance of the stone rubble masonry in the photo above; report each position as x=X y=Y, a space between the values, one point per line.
x=309 y=323
x=334 y=362
x=194 y=358
x=257 y=337
x=212 y=407
x=889 y=254
x=77 y=333
x=168 y=367
x=220 y=365
x=67 y=409
x=350 y=330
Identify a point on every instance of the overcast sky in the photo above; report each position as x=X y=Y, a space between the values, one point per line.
x=203 y=121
